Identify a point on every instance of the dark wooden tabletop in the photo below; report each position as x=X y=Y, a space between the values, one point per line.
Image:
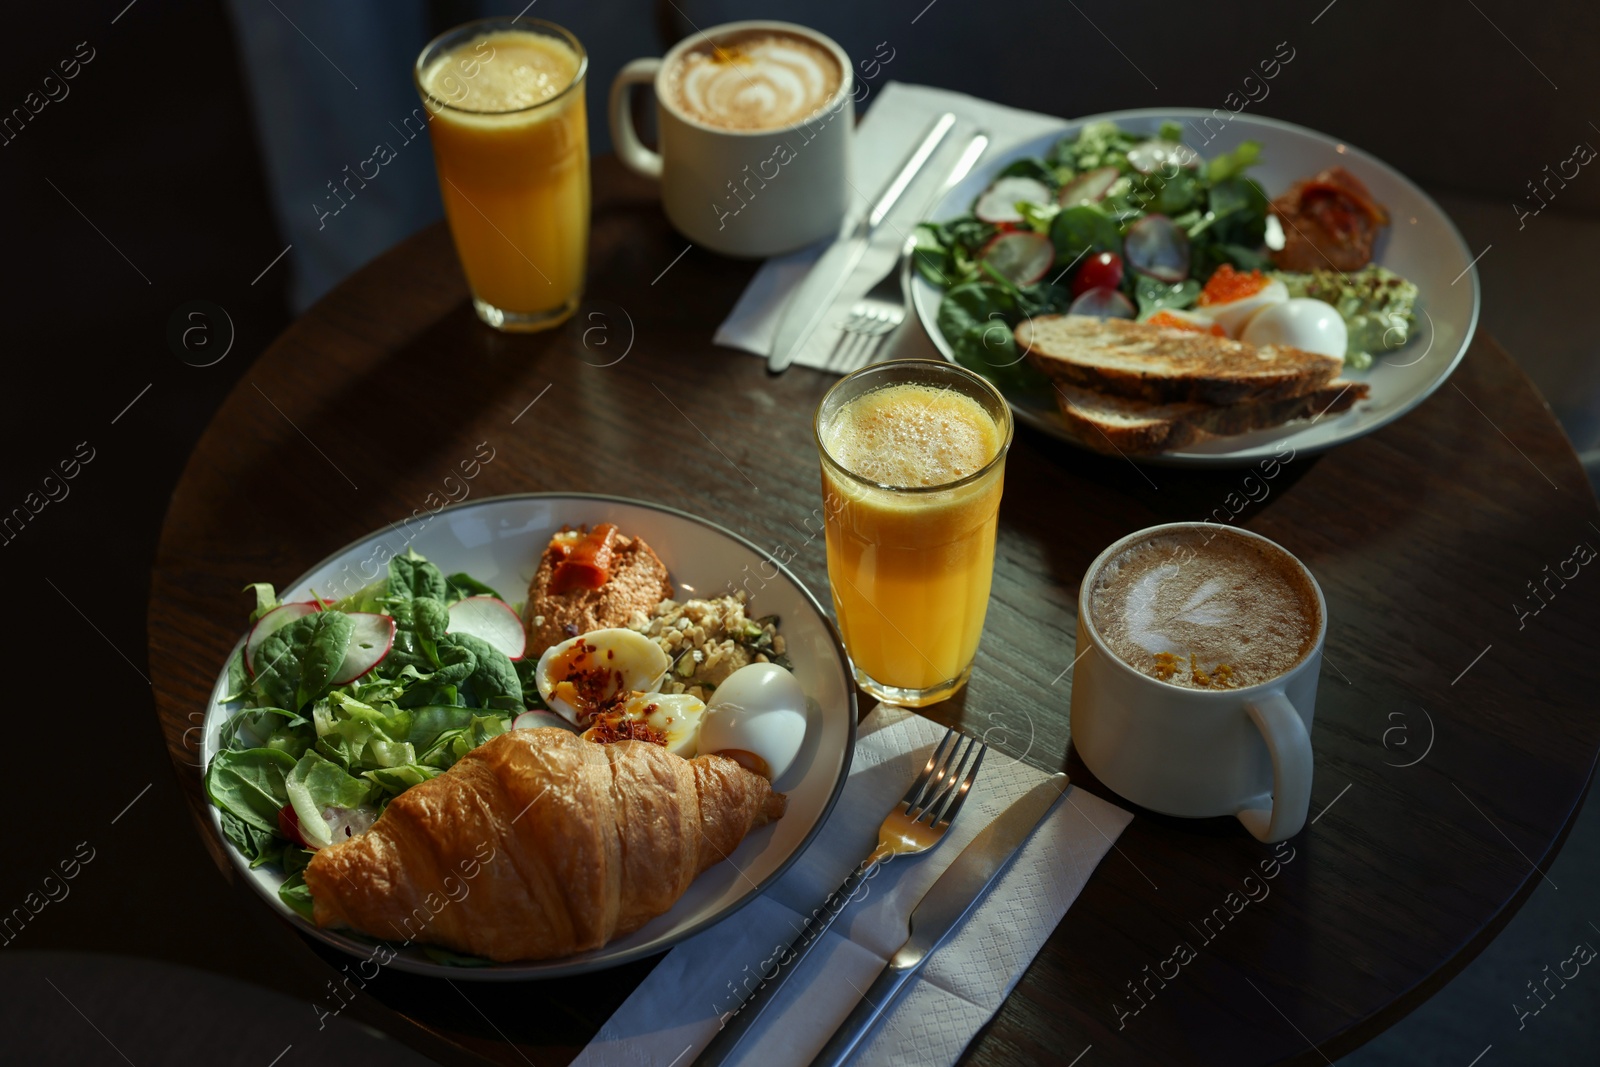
x=1455 y=732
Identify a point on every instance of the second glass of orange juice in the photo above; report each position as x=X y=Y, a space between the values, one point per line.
x=913 y=462
x=511 y=144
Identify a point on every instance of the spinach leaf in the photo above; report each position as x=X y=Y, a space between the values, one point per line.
x=412 y=576
x=1233 y=164
x=430 y=618
x=1153 y=294
x=493 y=675
x=299 y=660
x=463 y=585
x=255 y=844
x=945 y=250
x=250 y=785
x=1175 y=194
x=1042 y=298
x=238 y=678
x=295 y=893
x=976 y=319
x=1030 y=168
x=326 y=644
x=1083 y=228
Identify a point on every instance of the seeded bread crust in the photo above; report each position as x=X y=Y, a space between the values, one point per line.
x=1118 y=425
x=638 y=583
x=1163 y=365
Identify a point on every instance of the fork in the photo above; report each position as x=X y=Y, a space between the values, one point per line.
x=881 y=311
x=915 y=825
x=874 y=316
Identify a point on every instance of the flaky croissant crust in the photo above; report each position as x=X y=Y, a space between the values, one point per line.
x=539 y=844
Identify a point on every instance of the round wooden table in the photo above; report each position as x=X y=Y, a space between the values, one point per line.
x=1455 y=734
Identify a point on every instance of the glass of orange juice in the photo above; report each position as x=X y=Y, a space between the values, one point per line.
x=511 y=143
x=913 y=462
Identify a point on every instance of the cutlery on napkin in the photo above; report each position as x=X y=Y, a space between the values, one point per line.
x=890 y=129
x=813 y=297
x=678 y=1007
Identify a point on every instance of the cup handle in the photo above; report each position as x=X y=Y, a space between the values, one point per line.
x=624 y=138
x=1285 y=734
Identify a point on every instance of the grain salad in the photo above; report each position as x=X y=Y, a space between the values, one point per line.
x=713 y=637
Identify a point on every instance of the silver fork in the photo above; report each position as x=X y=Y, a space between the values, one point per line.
x=881 y=311
x=915 y=825
x=873 y=317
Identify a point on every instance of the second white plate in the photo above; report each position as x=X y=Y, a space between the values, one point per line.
x=1422 y=245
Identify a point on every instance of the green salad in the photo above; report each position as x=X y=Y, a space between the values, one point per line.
x=344 y=705
x=1096 y=201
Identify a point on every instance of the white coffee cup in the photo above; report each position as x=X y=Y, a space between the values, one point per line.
x=1197 y=753
x=748 y=193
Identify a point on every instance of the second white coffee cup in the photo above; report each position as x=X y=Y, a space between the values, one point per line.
x=1198 y=753
x=742 y=192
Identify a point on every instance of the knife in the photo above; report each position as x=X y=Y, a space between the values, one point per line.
x=947 y=903
x=811 y=300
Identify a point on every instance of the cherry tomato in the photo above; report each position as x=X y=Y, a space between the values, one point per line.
x=1103 y=270
x=289 y=825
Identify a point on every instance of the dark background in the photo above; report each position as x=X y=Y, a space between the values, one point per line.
x=143 y=191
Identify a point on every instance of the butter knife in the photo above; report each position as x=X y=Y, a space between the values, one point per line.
x=949 y=901
x=810 y=302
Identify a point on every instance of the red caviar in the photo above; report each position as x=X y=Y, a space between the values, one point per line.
x=1228 y=285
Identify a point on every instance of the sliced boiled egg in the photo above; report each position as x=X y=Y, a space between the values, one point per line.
x=579 y=676
x=671 y=718
x=1303 y=323
x=1230 y=298
x=1192 y=321
x=757 y=717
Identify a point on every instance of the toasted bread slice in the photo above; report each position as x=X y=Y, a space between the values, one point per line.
x=1119 y=425
x=1165 y=365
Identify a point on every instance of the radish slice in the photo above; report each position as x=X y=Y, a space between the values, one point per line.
x=1102 y=303
x=1088 y=187
x=345 y=823
x=1157 y=247
x=274 y=620
x=370 y=641
x=529 y=720
x=999 y=204
x=1020 y=257
x=491 y=620
x=1147 y=157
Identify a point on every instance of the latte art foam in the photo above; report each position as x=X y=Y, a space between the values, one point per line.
x=760 y=81
x=1218 y=613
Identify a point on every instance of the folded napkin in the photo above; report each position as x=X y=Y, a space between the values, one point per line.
x=675 y=1011
x=895 y=122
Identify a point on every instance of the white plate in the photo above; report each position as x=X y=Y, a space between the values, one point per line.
x=498 y=541
x=1421 y=244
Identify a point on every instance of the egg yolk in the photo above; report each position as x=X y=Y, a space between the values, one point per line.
x=1228 y=285
x=1173 y=322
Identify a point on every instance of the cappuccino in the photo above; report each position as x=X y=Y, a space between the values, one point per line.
x=760 y=79
x=1205 y=609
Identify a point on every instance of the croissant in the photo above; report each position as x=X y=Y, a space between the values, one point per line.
x=539 y=844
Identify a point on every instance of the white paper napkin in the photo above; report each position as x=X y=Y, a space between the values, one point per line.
x=675 y=1011
x=895 y=122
